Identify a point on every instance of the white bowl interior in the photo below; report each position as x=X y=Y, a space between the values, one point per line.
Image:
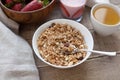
x=84 y=31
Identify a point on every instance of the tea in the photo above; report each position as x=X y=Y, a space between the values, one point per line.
x=106 y=15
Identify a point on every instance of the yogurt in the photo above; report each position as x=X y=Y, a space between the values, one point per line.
x=72 y=8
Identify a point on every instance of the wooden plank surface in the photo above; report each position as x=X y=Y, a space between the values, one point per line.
x=97 y=67
x=102 y=68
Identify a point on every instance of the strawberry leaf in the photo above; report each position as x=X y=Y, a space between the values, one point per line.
x=46 y=2
x=9 y=5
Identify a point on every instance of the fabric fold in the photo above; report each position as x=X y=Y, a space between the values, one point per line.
x=16 y=57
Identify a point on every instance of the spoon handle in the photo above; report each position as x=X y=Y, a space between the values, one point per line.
x=101 y=52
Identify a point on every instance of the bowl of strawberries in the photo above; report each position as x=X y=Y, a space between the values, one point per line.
x=27 y=11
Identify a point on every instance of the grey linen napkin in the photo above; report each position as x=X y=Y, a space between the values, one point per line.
x=8 y=22
x=16 y=58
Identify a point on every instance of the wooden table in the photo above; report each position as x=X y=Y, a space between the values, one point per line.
x=97 y=67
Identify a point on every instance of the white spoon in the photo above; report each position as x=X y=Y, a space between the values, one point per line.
x=95 y=51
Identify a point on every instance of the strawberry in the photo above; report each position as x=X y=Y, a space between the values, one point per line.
x=33 y=5
x=9 y=1
x=17 y=7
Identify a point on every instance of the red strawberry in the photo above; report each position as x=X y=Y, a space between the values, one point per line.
x=17 y=7
x=9 y=1
x=33 y=5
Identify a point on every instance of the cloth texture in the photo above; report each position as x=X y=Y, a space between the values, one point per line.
x=16 y=57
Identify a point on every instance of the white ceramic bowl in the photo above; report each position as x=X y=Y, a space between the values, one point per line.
x=84 y=31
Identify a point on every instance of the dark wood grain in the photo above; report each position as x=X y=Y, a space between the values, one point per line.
x=102 y=68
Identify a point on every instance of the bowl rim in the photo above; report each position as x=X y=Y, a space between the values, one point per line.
x=52 y=2
x=35 y=37
x=96 y=6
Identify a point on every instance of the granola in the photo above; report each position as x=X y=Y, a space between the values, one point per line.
x=58 y=41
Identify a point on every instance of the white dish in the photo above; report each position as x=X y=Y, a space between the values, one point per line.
x=84 y=31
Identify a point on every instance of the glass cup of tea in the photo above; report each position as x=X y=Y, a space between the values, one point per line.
x=73 y=9
x=105 y=18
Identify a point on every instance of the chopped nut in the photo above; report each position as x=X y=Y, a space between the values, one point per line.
x=80 y=58
x=66 y=44
x=71 y=63
x=66 y=52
